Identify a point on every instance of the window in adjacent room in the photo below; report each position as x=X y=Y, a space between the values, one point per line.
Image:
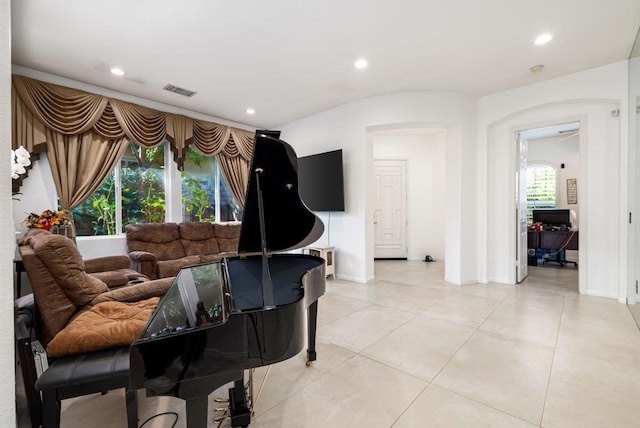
x=541 y=188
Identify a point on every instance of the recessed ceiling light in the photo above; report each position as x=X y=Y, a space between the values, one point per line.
x=536 y=68
x=360 y=64
x=117 y=71
x=543 y=39
x=251 y=111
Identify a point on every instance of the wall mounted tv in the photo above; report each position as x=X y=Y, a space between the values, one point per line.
x=320 y=181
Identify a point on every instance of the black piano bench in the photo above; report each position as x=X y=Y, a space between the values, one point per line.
x=71 y=376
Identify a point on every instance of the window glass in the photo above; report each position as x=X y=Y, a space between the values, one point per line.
x=97 y=215
x=205 y=194
x=198 y=188
x=142 y=184
x=541 y=188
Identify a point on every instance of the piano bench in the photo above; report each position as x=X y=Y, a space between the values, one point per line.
x=72 y=376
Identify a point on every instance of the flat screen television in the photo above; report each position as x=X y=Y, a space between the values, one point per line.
x=320 y=181
x=553 y=217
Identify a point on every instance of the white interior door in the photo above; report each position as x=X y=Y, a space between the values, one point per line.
x=521 y=210
x=390 y=210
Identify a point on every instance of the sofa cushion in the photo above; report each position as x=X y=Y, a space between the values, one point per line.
x=227 y=236
x=169 y=268
x=198 y=239
x=105 y=325
x=161 y=239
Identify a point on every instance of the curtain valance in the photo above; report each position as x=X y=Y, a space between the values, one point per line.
x=39 y=108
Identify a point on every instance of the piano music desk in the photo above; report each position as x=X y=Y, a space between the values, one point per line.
x=328 y=254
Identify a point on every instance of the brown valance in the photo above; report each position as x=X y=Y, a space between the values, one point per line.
x=39 y=107
x=85 y=135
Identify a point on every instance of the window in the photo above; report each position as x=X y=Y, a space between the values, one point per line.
x=205 y=194
x=136 y=192
x=541 y=188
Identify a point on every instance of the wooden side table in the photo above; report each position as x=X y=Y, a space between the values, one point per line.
x=328 y=254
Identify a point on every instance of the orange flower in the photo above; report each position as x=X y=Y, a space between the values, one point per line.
x=47 y=219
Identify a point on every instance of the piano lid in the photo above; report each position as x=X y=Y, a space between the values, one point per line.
x=289 y=224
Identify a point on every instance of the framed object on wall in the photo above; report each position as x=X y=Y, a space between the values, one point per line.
x=572 y=191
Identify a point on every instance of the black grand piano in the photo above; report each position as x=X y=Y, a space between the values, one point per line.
x=248 y=311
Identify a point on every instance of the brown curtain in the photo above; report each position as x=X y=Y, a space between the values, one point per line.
x=81 y=163
x=63 y=120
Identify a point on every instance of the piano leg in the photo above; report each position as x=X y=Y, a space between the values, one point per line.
x=312 y=321
x=197 y=412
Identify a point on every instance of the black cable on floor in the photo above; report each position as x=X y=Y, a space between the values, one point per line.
x=162 y=414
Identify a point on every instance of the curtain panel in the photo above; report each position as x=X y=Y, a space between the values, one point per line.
x=85 y=135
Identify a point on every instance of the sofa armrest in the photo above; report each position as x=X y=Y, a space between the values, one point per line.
x=104 y=264
x=144 y=262
x=136 y=292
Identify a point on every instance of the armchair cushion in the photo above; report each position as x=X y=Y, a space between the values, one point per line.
x=64 y=262
x=108 y=263
x=105 y=325
x=136 y=292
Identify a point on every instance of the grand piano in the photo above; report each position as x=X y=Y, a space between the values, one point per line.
x=219 y=319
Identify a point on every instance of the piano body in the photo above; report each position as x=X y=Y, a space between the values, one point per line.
x=218 y=319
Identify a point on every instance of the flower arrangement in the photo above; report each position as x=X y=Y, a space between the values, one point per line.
x=47 y=219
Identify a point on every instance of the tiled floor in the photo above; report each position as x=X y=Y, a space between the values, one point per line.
x=409 y=350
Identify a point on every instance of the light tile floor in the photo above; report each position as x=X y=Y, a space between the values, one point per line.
x=410 y=350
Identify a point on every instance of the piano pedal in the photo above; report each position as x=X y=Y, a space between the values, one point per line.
x=221 y=409
x=220 y=400
x=221 y=418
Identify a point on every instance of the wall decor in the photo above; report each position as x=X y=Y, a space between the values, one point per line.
x=572 y=191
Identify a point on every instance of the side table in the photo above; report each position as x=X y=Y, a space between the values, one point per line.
x=327 y=253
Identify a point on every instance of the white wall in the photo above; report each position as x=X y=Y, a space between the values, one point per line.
x=424 y=154
x=7 y=353
x=588 y=97
x=351 y=127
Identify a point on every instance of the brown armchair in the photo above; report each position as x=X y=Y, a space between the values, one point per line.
x=65 y=292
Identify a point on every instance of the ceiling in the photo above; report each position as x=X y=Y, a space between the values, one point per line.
x=288 y=58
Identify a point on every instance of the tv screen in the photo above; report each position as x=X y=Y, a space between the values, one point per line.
x=320 y=181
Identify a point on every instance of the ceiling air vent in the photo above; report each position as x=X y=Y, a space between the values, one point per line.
x=179 y=91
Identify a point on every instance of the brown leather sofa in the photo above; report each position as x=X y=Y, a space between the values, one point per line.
x=159 y=250
x=65 y=294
